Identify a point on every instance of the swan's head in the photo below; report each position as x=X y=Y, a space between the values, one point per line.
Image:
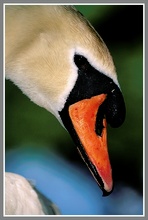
x=63 y=65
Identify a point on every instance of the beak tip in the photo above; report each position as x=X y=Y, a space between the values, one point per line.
x=106 y=193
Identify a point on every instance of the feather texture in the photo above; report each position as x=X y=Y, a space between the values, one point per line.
x=21 y=198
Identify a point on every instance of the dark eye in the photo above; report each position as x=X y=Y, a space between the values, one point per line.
x=81 y=62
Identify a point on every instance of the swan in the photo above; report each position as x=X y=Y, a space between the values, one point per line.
x=55 y=56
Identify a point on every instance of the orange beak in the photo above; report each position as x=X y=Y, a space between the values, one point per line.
x=95 y=101
x=83 y=115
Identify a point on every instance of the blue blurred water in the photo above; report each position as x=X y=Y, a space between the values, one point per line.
x=70 y=188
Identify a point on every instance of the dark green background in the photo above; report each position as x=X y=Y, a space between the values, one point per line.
x=121 y=27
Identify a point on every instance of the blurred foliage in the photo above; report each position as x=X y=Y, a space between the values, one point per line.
x=121 y=28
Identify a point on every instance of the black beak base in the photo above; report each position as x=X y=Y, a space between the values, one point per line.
x=91 y=82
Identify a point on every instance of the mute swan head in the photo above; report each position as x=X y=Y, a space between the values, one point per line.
x=60 y=62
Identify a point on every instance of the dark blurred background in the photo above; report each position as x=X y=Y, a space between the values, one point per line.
x=29 y=128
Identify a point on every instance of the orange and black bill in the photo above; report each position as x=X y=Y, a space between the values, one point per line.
x=94 y=102
x=83 y=115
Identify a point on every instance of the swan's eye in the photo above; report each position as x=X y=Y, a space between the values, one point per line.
x=81 y=62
